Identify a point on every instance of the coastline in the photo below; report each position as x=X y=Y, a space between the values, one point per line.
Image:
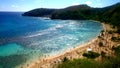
x=74 y=53
x=46 y=62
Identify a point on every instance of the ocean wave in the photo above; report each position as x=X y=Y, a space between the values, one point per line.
x=38 y=34
x=46 y=31
x=54 y=41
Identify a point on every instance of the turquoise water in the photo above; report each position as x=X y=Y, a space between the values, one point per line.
x=10 y=49
x=26 y=38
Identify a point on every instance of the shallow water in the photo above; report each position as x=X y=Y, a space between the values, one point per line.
x=26 y=38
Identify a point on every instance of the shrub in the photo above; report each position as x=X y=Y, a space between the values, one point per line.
x=117 y=50
x=118 y=31
x=99 y=36
x=102 y=31
x=100 y=44
x=103 y=54
x=91 y=55
x=113 y=38
x=65 y=59
x=110 y=32
x=116 y=39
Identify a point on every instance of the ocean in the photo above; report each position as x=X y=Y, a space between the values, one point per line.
x=24 y=39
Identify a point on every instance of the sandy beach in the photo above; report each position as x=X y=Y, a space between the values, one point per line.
x=53 y=61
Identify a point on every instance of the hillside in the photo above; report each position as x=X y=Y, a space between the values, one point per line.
x=86 y=12
x=39 y=12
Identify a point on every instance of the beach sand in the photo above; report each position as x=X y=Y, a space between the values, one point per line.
x=75 y=53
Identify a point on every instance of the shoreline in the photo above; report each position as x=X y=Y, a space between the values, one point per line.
x=73 y=53
x=46 y=60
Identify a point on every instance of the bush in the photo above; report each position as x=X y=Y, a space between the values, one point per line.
x=117 y=50
x=65 y=59
x=118 y=30
x=115 y=39
x=103 y=54
x=91 y=55
x=110 y=32
x=102 y=31
x=100 y=44
x=99 y=36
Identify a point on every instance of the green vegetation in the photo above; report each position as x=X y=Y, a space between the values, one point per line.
x=110 y=32
x=103 y=54
x=117 y=50
x=118 y=30
x=88 y=63
x=65 y=59
x=100 y=44
x=39 y=12
x=107 y=62
x=116 y=60
x=115 y=39
x=91 y=55
x=78 y=63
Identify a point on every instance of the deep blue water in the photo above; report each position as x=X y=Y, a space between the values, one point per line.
x=30 y=37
